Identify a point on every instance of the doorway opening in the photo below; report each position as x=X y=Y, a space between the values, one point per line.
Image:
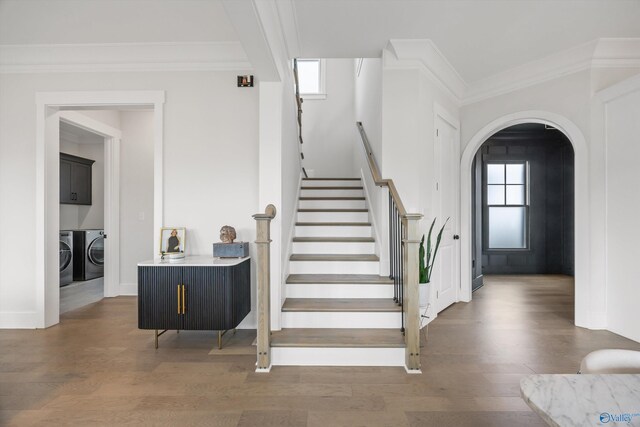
x=523 y=203
x=126 y=211
x=82 y=214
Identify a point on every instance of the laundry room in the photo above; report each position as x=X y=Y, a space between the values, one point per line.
x=82 y=201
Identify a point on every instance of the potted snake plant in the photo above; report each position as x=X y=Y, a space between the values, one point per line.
x=427 y=261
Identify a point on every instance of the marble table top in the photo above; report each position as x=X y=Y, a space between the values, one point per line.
x=584 y=400
x=193 y=261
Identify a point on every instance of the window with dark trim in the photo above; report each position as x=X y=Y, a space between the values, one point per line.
x=507 y=205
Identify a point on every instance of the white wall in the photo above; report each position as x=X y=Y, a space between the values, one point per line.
x=328 y=125
x=368 y=101
x=368 y=110
x=409 y=101
x=623 y=205
x=136 y=194
x=210 y=147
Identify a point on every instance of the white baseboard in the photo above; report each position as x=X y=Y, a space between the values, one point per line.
x=129 y=289
x=321 y=356
x=18 y=320
x=337 y=319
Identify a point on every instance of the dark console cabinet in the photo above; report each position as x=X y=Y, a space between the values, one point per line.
x=75 y=180
x=200 y=293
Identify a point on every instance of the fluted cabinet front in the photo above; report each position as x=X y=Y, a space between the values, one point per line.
x=158 y=289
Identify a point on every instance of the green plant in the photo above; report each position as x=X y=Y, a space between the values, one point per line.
x=427 y=260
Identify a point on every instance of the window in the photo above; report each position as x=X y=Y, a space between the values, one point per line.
x=311 y=78
x=507 y=200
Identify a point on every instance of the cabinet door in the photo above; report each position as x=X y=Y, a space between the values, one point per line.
x=208 y=299
x=158 y=289
x=81 y=183
x=65 y=182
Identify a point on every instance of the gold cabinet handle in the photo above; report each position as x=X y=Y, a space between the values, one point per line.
x=183 y=300
x=178 y=299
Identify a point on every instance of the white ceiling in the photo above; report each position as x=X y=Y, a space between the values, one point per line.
x=478 y=37
x=113 y=21
x=78 y=135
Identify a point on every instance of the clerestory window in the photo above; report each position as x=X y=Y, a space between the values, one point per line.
x=311 y=78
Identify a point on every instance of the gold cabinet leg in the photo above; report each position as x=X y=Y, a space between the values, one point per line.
x=157 y=334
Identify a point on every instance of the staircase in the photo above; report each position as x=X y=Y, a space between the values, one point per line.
x=338 y=309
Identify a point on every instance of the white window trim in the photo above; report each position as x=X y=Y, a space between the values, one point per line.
x=322 y=94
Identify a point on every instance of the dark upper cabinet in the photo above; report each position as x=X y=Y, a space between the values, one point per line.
x=75 y=180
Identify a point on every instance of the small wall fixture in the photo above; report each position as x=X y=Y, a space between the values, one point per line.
x=245 y=81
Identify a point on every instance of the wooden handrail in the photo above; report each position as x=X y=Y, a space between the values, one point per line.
x=403 y=259
x=299 y=102
x=375 y=172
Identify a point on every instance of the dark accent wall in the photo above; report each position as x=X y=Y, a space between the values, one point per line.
x=551 y=193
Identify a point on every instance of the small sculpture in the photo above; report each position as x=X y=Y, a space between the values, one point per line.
x=227 y=234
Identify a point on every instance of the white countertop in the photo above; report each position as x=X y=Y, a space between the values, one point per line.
x=584 y=400
x=194 y=261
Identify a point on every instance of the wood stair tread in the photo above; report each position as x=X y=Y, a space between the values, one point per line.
x=334 y=257
x=341 y=305
x=349 y=279
x=331 y=198
x=334 y=224
x=335 y=239
x=331 y=179
x=333 y=210
x=347 y=338
x=330 y=188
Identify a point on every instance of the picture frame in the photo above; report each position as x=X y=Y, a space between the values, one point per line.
x=172 y=240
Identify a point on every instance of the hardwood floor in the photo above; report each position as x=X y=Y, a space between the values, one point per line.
x=97 y=369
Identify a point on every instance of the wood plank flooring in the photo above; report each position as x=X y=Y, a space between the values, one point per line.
x=97 y=369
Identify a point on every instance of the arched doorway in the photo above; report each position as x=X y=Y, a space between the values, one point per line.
x=575 y=136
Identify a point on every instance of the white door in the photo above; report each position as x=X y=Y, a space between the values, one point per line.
x=445 y=277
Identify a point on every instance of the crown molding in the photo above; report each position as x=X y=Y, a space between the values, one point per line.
x=423 y=54
x=289 y=24
x=122 y=57
x=600 y=53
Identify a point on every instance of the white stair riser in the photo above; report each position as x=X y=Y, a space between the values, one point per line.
x=322 y=356
x=340 y=319
x=338 y=291
x=334 y=267
x=330 y=183
x=331 y=193
x=332 y=231
x=333 y=248
x=332 y=204
x=333 y=216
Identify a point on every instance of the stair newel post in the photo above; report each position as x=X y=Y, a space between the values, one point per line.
x=263 y=243
x=411 y=303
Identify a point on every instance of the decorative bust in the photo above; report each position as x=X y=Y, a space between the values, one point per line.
x=227 y=234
